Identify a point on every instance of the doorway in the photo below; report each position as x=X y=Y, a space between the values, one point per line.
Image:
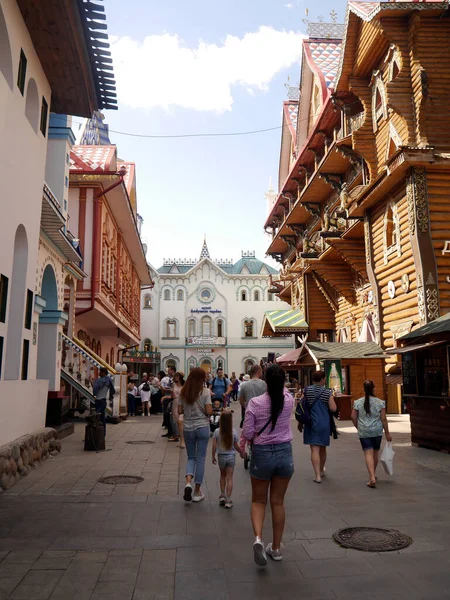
x=206 y=365
x=49 y=330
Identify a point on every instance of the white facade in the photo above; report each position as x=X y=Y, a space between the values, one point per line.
x=211 y=315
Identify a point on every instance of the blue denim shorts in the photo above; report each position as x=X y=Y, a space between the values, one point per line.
x=372 y=443
x=273 y=460
x=226 y=460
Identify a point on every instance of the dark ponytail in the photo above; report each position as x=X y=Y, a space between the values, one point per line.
x=368 y=391
x=275 y=378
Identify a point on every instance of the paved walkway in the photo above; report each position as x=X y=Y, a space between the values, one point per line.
x=65 y=536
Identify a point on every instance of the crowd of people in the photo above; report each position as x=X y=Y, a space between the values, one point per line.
x=198 y=408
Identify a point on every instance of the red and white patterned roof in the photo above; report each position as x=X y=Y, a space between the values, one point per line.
x=93 y=158
x=323 y=58
x=367 y=10
x=129 y=175
x=290 y=108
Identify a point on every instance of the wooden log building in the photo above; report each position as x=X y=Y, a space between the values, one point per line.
x=360 y=225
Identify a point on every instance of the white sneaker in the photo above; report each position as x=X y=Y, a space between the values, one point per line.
x=198 y=497
x=274 y=554
x=259 y=554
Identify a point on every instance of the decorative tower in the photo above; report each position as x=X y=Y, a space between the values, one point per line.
x=205 y=252
x=271 y=197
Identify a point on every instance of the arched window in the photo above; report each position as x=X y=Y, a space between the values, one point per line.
x=206 y=326
x=112 y=357
x=171 y=328
x=107 y=359
x=180 y=295
x=244 y=296
x=256 y=296
x=249 y=326
x=99 y=349
x=220 y=328
x=147 y=301
x=220 y=364
x=392 y=242
x=166 y=294
x=379 y=102
x=32 y=104
x=192 y=363
x=191 y=328
x=390 y=231
x=248 y=364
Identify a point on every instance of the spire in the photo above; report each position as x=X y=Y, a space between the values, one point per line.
x=205 y=252
x=96 y=132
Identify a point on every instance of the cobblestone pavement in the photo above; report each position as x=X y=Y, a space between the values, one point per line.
x=65 y=536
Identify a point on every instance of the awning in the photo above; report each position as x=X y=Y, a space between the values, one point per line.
x=415 y=347
x=283 y=323
x=394 y=379
x=290 y=357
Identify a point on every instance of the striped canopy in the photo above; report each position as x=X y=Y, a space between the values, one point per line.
x=283 y=323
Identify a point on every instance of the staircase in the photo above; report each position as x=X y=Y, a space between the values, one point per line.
x=79 y=369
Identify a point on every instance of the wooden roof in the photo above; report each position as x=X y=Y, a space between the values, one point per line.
x=71 y=41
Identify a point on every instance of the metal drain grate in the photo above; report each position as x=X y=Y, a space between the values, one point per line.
x=372 y=539
x=121 y=480
x=140 y=442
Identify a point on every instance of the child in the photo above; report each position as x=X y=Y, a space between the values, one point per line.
x=215 y=417
x=225 y=443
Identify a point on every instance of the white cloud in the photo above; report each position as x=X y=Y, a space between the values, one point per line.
x=162 y=71
x=289 y=5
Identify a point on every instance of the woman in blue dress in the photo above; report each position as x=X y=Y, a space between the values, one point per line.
x=317 y=434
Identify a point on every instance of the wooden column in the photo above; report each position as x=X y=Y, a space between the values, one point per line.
x=82 y=226
x=118 y=270
x=422 y=245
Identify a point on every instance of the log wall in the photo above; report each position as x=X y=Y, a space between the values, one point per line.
x=360 y=370
x=404 y=307
x=320 y=314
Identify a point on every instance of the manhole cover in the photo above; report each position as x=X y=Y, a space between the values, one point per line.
x=140 y=442
x=372 y=539
x=121 y=480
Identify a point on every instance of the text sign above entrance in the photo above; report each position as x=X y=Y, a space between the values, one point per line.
x=206 y=309
x=206 y=341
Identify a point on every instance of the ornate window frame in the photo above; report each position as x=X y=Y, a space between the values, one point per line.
x=166 y=294
x=167 y=323
x=245 y=322
x=147 y=301
x=241 y=289
x=393 y=58
x=378 y=87
x=216 y=326
x=247 y=359
x=188 y=326
x=391 y=226
x=206 y=319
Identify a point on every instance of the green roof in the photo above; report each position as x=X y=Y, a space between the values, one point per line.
x=286 y=319
x=345 y=350
x=253 y=266
x=440 y=325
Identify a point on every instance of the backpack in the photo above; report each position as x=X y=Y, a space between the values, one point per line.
x=302 y=410
x=214 y=381
x=145 y=387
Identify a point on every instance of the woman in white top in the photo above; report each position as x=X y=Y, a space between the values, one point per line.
x=195 y=404
x=145 y=393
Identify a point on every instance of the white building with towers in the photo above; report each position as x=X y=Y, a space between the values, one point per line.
x=208 y=313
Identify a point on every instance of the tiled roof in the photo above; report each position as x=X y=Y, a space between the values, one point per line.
x=323 y=57
x=284 y=320
x=93 y=158
x=441 y=325
x=290 y=108
x=367 y=10
x=129 y=176
x=252 y=265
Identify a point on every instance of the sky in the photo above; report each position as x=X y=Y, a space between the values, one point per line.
x=200 y=67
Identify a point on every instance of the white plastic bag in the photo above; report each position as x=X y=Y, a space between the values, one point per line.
x=387 y=458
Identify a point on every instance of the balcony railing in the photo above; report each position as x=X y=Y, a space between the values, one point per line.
x=141 y=356
x=206 y=340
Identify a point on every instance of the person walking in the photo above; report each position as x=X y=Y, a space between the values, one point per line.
x=145 y=392
x=178 y=382
x=219 y=387
x=103 y=390
x=166 y=389
x=369 y=418
x=225 y=444
x=255 y=386
x=317 y=433
x=194 y=403
x=267 y=425
x=131 y=397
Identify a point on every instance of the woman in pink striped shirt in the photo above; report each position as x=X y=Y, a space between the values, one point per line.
x=268 y=426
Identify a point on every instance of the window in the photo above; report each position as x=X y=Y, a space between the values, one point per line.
x=44 y=117
x=67 y=159
x=256 y=296
x=270 y=297
x=392 y=244
x=147 y=301
x=21 y=76
x=390 y=233
x=379 y=102
x=99 y=349
x=191 y=328
x=206 y=326
x=220 y=364
x=25 y=358
x=29 y=309
x=205 y=295
x=244 y=296
x=171 y=328
x=248 y=364
x=248 y=328
x=147 y=345
x=112 y=357
x=166 y=294
x=219 y=328
x=66 y=182
x=180 y=295
x=3 y=297
x=325 y=336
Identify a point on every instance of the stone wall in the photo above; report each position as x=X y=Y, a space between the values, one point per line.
x=21 y=456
